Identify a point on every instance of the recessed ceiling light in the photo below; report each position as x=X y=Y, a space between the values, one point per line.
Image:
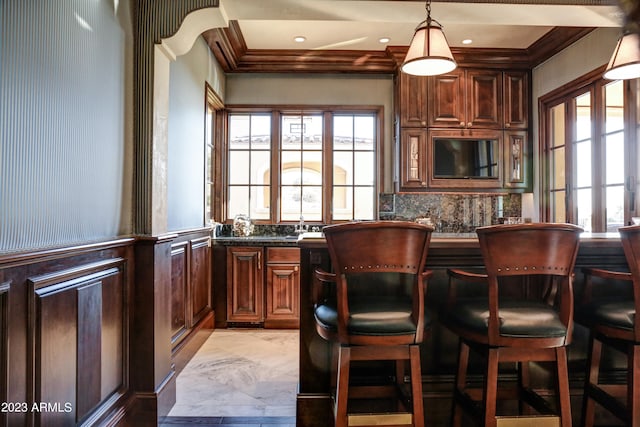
x=299 y=39
x=467 y=41
x=384 y=39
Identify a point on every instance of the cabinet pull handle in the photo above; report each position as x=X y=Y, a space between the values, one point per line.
x=259 y=261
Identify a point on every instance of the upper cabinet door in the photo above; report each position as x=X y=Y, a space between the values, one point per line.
x=516 y=100
x=447 y=100
x=484 y=93
x=413 y=100
x=466 y=99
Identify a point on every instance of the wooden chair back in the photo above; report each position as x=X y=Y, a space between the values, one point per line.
x=630 y=237
x=393 y=251
x=538 y=249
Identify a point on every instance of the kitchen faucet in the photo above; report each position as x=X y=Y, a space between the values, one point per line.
x=301 y=228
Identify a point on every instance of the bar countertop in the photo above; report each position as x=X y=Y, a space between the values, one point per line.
x=444 y=240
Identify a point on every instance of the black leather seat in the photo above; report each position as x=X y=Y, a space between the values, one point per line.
x=612 y=322
x=372 y=308
x=524 y=315
x=518 y=318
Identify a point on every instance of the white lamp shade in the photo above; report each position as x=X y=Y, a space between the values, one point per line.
x=429 y=53
x=625 y=61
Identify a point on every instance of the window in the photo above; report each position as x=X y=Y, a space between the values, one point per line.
x=326 y=163
x=212 y=105
x=249 y=165
x=587 y=150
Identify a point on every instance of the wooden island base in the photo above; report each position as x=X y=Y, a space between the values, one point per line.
x=440 y=347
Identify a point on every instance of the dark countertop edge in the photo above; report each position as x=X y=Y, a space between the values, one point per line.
x=450 y=240
x=442 y=240
x=256 y=240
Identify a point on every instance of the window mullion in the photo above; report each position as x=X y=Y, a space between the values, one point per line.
x=631 y=147
x=598 y=155
x=570 y=161
x=327 y=168
x=276 y=158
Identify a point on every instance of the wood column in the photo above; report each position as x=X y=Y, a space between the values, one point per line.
x=152 y=373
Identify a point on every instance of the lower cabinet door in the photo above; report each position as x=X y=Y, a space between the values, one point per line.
x=283 y=287
x=245 y=285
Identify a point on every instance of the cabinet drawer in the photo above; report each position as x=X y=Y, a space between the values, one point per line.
x=280 y=255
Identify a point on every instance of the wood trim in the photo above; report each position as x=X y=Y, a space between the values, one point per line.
x=4 y=347
x=17 y=259
x=230 y=50
x=553 y=42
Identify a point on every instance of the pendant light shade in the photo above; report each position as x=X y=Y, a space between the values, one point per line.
x=625 y=61
x=429 y=53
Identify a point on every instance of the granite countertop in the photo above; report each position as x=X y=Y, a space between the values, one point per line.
x=256 y=240
x=310 y=237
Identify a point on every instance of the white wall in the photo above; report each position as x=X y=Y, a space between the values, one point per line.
x=186 y=131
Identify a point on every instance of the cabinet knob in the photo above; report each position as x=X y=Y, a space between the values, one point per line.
x=295 y=268
x=507 y=125
x=423 y=123
x=462 y=124
x=469 y=124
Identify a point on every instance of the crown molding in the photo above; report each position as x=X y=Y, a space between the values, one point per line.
x=230 y=50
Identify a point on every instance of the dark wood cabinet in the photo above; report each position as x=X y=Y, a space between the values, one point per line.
x=412 y=93
x=469 y=103
x=283 y=287
x=261 y=286
x=413 y=159
x=466 y=98
x=245 y=285
x=516 y=99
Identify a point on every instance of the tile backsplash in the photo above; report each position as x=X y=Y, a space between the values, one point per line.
x=451 y=213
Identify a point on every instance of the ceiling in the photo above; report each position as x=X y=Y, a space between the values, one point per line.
x=359 y=24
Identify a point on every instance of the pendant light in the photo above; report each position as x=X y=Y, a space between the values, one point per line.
x=625 y=61
x=429 y=53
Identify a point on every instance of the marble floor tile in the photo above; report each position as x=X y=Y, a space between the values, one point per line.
x=240 y=373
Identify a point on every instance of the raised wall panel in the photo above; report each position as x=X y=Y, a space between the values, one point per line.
x=114 y=317
x=89 y=301
x=78 y=341
x=200 y=278
x=179 y=290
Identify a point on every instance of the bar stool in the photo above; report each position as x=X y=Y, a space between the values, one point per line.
x=612 y=321
x=524 y=315
x=372 y=309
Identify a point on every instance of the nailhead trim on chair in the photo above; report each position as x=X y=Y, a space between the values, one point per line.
x=533 y=268
x=362 y=267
